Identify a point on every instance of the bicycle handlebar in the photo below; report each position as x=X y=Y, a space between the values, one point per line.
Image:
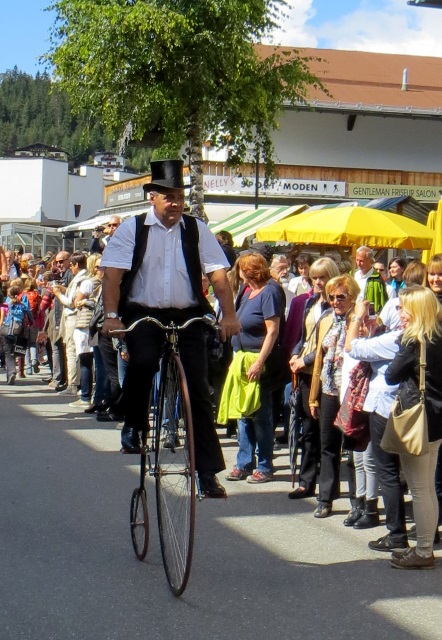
x=208 y=319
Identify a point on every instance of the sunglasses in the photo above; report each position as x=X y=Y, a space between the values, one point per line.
x=112 y=225
x=340 y=297
x=60 y=261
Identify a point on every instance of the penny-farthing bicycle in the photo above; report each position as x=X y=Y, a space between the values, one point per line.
x=167 y=454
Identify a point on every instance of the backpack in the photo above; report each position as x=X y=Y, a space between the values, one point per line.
x=34 y=299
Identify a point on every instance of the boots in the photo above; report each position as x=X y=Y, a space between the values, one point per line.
x=356 y=511
x=371 y=516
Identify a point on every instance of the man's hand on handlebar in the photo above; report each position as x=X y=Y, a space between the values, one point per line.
x=113 y=324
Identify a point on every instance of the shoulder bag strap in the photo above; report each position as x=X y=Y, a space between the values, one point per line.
x=141 y=235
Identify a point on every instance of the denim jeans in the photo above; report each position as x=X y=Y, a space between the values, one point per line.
x=366 y=476
x=86 y=367
x=388 y=467
x=101 y=380
x=255 y=438
x=9 y=344
x=122 y=367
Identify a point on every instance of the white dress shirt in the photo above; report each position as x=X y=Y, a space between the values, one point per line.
x=361 y=279
x=162 y=281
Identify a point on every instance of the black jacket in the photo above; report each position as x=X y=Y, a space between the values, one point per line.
x=404 y=370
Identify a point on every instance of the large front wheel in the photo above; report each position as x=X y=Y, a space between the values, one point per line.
x=175 y=475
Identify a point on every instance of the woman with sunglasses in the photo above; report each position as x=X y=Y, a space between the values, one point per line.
x=301 y=364
x=324 y=400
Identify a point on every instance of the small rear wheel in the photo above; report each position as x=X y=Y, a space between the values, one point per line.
x=175 y=475
x=139 y=523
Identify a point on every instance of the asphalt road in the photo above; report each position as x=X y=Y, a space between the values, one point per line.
x=263 y=566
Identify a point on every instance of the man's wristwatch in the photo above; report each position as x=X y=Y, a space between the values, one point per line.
x=111 y=315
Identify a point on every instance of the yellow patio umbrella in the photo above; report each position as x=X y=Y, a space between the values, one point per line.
x=434 y=222
x=356 y=226
x=276 y=231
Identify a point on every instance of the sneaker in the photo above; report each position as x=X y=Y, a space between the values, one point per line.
x=387 y=543
x=66 y=391
x=11 y=378
x=80 y=404
x=413 y=536
x=412 y=560
x=258 y=477
x=237 y=474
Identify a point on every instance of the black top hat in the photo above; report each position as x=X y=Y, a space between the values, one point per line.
x=166 y=174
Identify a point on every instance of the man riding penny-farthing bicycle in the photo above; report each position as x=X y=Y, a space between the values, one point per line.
x=153 y=268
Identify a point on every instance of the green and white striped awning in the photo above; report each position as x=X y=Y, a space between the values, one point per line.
x=243 y=224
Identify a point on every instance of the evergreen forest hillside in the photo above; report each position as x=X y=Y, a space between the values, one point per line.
x=36 y=110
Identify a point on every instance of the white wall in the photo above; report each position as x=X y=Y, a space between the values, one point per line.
x=20 y=189
x=322 y=139
x=39 y=190
x=54 y=186
x=86 y=189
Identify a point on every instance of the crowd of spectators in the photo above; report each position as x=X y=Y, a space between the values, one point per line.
x=343 y=328
x=309 y=328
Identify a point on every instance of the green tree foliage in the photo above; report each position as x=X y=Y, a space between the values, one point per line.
x=39 y=110
x=188 y=67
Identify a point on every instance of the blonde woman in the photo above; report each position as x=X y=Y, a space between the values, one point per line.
x=421 y=318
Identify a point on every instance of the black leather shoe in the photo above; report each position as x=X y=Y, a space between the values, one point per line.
x=96 y=408
x=387 y=543
x=210 y=486
x=130 y=440
x=301 y=492
x=171 y=441
x=283 y=438
x=322 y=511
x=108 y=416
x=60 y=387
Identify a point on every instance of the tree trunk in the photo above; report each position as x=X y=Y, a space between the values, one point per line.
x=196 y=172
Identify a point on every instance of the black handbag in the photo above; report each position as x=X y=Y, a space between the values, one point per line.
x=20 y=346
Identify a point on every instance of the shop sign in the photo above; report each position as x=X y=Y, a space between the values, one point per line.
x=279 y=187
x=422 y=193
x=125 y=196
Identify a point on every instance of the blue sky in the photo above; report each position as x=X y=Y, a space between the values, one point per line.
x=388 y=26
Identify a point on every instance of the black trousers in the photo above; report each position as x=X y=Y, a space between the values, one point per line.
x=311 y=440
x=388 y=467
x=331 y=443
x=110 y=361
x=144 y=346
